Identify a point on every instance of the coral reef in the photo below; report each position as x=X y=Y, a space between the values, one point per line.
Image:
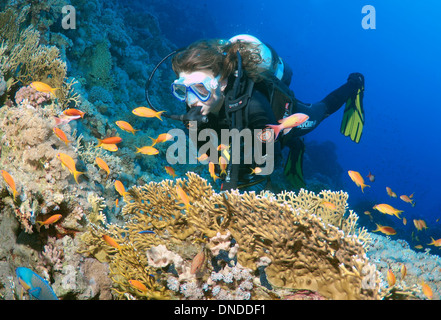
x=29 y=150
x=2 y=85
x=98 y=64
x=276 y=242
x=24 y=59
x=389 y=254
x=29 y=96
x=304 y=245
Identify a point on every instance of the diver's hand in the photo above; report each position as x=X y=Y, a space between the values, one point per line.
x=357 y=78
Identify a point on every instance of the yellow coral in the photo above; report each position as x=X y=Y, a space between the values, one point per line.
x=23 y=59
x=290 y=235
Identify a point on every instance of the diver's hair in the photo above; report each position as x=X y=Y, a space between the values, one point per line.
x=218 y=56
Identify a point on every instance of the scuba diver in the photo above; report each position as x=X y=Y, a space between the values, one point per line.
x=242 y=83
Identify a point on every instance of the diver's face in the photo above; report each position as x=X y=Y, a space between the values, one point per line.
x=206 y=82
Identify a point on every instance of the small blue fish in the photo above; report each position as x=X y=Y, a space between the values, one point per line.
x=36 y=286
x=146 y=231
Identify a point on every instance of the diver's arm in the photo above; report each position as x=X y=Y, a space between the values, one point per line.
x=338 y=97
x=319 y=111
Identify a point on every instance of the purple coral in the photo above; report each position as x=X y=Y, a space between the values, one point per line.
x=31 y=96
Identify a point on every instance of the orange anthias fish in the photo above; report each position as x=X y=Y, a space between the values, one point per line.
x=223 y=163
x=202 y=157
x=147 y=112
x=148 y=150
x=103 y=165
x=387 y=209
x=292 y=121
x=110 y=140
x=408 y=199
x=368 y=213
x=52 y=219
x=170 y=171
x=226 y=154
x=198 y=262
x=163 y=137
x=222 y=147
x=391 y=193
x=63 y=119
x=427 y=290
x=10 y=182
x=256 y=170
x=358 y=179
x=111 y=242
x=420 y=224
x=119 y=187
x=386 y=230
x=183 y=196
x=109 y=147
x=391 y=278
x=138 y=285
x=124 y=125
x=69 y=163
x=403 y=271
x=436 y=243
x=61 y=135
x=371 y=177
x=43 y=87
x=211 y=171
x=74 y=112
x=329 y=205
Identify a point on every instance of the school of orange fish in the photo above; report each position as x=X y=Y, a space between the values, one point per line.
x=110 y=144
x=387 y=230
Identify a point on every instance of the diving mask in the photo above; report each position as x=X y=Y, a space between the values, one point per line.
x=183 y=89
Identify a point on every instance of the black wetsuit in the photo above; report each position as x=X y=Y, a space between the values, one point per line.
x=260 y=114
x=319 y=111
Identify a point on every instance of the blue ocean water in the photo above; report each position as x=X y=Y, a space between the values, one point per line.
x=323 y=41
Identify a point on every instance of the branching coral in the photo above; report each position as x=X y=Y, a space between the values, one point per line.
x=41 y=14
x=305 y=252
x=28 y=151
x=27 y=60
x=24 y=59
x=2 y=84
x=96 y=216
x=53 y=254
x=315 y=204
x=299 y=249
x=10 y=22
